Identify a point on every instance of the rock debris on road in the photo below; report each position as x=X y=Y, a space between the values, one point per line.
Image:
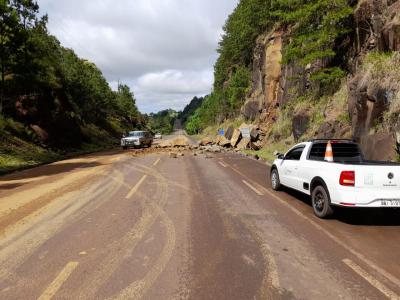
x=141 y=225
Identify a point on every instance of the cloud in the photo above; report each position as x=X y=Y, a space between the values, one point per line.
x=159 y=47
x=172 y=88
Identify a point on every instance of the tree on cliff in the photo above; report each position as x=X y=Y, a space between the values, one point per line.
x=45 y=84
x=314 y=27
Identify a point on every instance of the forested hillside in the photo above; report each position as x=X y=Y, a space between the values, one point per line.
x=301 y=69
x=161 y=122
x=52 y=101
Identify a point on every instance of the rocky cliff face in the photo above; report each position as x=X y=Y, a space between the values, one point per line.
x=370 y=94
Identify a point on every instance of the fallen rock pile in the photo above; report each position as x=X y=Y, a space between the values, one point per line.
x=234 y=140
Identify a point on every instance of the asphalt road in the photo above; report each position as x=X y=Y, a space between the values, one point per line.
x=121 y=226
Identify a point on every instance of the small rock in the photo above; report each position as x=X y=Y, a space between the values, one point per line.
x=173 y=155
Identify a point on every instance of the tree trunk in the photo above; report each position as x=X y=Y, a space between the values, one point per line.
x=2 y=94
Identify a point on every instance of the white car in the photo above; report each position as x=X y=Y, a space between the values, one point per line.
x=158 y=136
x=348 y=180
x=136 y=139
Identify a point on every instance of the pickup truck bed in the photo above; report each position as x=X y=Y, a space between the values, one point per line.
x=348 y=181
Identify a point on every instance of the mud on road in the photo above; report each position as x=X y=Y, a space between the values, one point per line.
x=139 y=224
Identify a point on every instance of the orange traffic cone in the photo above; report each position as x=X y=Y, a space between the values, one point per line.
x=329 y=152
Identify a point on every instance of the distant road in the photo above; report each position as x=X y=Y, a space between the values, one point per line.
x=178 y=128
x=118 y=225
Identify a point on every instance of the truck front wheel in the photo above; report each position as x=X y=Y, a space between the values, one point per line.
x=321 y=202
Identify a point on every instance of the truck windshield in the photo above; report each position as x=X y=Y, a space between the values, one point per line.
x=136 y=133
x=342 y=152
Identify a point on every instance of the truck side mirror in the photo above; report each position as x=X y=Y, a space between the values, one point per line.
x=279 y=155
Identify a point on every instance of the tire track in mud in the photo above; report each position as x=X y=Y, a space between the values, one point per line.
x=37 y=228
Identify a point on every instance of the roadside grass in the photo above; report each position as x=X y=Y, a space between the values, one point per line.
x=21 y=153
x=16 y=153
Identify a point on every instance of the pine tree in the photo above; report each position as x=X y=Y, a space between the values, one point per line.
x=314 y=27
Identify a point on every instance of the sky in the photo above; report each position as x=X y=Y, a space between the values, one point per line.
x=164 y=50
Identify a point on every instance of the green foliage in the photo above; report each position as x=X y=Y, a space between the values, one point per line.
x=315 y=26
x=190 y=109
x=193 y=125
x=237 y=88
x=221 y=104
x=249 y=19
x=162 y=122
x=54 y=87
x=316 y=32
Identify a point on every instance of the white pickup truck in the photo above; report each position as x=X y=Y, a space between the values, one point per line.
x=348 y=180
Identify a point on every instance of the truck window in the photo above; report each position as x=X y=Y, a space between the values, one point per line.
x=295 y=154
x=342 y=152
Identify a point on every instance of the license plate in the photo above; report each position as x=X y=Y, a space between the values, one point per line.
x=390 y=203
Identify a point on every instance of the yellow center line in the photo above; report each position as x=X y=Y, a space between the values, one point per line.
x=156 y=162
x=253 y=188
x=372 y=280
x=136 y=187
x=58 y=282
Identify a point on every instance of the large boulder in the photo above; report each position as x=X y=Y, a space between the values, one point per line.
x=379 y=146
x=229 y=132
x=223 y=141
x=206 y=141
x=254 y=133
x=243 y=144
x=256 y=145
x=236 y=137
x=367 y=102
x=179 y=142
x=300 y=124
x=251 y=108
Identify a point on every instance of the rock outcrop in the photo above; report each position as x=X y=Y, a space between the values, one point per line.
x=266 y=75
x=377 y=25
x=275 y=85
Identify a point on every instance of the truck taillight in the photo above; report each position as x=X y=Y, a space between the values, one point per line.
x=347 y=178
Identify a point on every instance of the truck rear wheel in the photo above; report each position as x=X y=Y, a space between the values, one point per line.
x=275 y=182
x=321 y=202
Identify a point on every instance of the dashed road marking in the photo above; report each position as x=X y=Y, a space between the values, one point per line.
x=253 y=188
x=222 y=164
x=136 y=187
x=156 y=162
x=357 y=254
x=372 y=280
x=337 y=240
x=59 y=281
